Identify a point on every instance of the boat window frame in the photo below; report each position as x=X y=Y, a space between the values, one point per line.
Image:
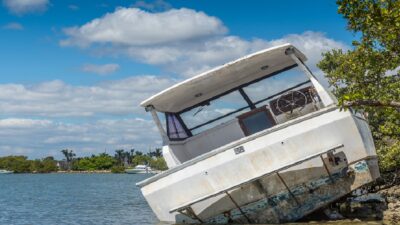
x=251 y=104
x=183 y=124
x=264 y=109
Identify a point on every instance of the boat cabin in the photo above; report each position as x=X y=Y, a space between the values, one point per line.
x=235 y=101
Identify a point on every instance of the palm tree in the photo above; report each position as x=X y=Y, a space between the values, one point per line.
x=119 y=155
x=158 y=152
x=131 y=156
x=69 y=155
x=126 y=156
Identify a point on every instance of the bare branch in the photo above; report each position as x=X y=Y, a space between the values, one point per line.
x=369 y=102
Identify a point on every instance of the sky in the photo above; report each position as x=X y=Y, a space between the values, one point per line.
x=73 y=72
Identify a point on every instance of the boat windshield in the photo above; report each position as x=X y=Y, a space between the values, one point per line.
x=240 y=100
x=214 y=112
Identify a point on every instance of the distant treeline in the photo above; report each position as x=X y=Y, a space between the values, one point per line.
x=21 y=164
x=118 y=163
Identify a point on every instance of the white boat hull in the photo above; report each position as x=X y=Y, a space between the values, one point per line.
x=243 y=186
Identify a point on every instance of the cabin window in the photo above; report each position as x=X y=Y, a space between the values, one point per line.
x=175 y=129
x=256 y=120
x=215 y=112
x=271 y=87
x=251 y=104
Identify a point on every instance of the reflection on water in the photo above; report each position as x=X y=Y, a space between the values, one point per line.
x=49 y=199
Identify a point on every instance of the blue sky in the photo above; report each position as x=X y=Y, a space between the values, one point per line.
x=73 y=72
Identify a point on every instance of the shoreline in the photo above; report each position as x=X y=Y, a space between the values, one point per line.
x=83 y=171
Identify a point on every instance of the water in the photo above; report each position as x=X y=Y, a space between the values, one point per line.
x=53 y=199
x=73 y=199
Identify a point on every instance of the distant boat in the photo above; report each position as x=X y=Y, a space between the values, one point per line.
x=6 y=171
x=139 y=169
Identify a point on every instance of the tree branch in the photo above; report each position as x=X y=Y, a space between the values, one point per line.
x=369 y=102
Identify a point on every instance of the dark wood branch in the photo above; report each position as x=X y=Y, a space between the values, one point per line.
x=369 y=102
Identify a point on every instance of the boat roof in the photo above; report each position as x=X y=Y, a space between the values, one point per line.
x=223 y=78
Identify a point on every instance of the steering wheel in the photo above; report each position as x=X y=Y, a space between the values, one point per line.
x=292 y=100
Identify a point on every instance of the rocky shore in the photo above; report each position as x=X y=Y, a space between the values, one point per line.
x=392 y=196
x=378 y=203
x=382 y=206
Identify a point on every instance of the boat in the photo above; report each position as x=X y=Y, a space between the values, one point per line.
x=6 y=171
x=139 y=169
x=256 y=140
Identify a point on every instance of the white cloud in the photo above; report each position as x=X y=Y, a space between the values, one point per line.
x=182 y=41
x=135 y=27
x=41 y=119
x=13 y=26
x=189 y=59
x=57 y=99
x=312 y=44
x=100 y=69
x=23 y=123
x=20 y=7
x=38 y=138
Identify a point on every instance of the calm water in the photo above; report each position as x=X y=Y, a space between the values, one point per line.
x=73 y=199
x=53 y=199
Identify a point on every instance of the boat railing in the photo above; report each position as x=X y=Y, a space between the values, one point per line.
x=186 y=209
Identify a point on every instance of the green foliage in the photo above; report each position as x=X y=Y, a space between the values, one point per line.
x=103 y=161
x=141 y=160
x=99 y=162
x=21 y=164
x=367 y=77
x=45 y=165
x=377 y=20
x=18 y=164
x=124 y=157
x=389 y=155
x=116 y=163
x=118 y=169
x=158 y=163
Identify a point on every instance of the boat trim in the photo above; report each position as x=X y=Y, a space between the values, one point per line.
x=235 y=144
